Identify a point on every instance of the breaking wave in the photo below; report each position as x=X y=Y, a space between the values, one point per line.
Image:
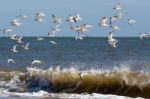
x=119 y=81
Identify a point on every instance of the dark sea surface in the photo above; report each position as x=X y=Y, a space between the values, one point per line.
x=124 y=70
x=83 y=54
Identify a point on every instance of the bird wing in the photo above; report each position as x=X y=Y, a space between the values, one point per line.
x=14 y=47
x=27 y=45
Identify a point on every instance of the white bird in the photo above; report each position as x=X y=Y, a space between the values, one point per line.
x=83 y=28
x=10 y=61
x=26 y=47
x=117 y=16
x=114 y=27
x=14 y=48
x=80 y=30
x=40 y=14
x=131 y=22
x=56 y=20
x=77 y=18
x=117 y=6
x=6 y=30
x=56 y=29
x=78 y=37
x=38 y=19
x=15 y=22
x=22 y=16
x=112 y=42
x=82 y=75
x=36 y=62
x=103 y=22
x=52 y=42
x=87 y=26
x=40 y=39
x=19 y=39
x=51 y=33
x=110 y=36
x=142 y=35
x=13 y=37
x=70 y=18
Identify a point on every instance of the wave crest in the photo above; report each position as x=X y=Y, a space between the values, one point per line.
x=119 y=81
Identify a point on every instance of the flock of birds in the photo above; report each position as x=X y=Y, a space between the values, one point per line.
x=80 y=29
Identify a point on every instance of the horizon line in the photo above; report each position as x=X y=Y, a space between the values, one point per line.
x=85 y=37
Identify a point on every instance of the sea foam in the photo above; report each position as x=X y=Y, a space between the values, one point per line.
x=119 y=81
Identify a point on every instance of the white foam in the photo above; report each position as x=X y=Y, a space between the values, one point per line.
x=6 y=93
x=97 y=96
x=42 y=94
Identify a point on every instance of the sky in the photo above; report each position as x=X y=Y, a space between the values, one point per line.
x=90 y=10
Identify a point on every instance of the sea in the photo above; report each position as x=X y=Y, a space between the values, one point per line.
x=75 y=69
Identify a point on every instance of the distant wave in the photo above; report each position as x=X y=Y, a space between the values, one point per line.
x=55 y=80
